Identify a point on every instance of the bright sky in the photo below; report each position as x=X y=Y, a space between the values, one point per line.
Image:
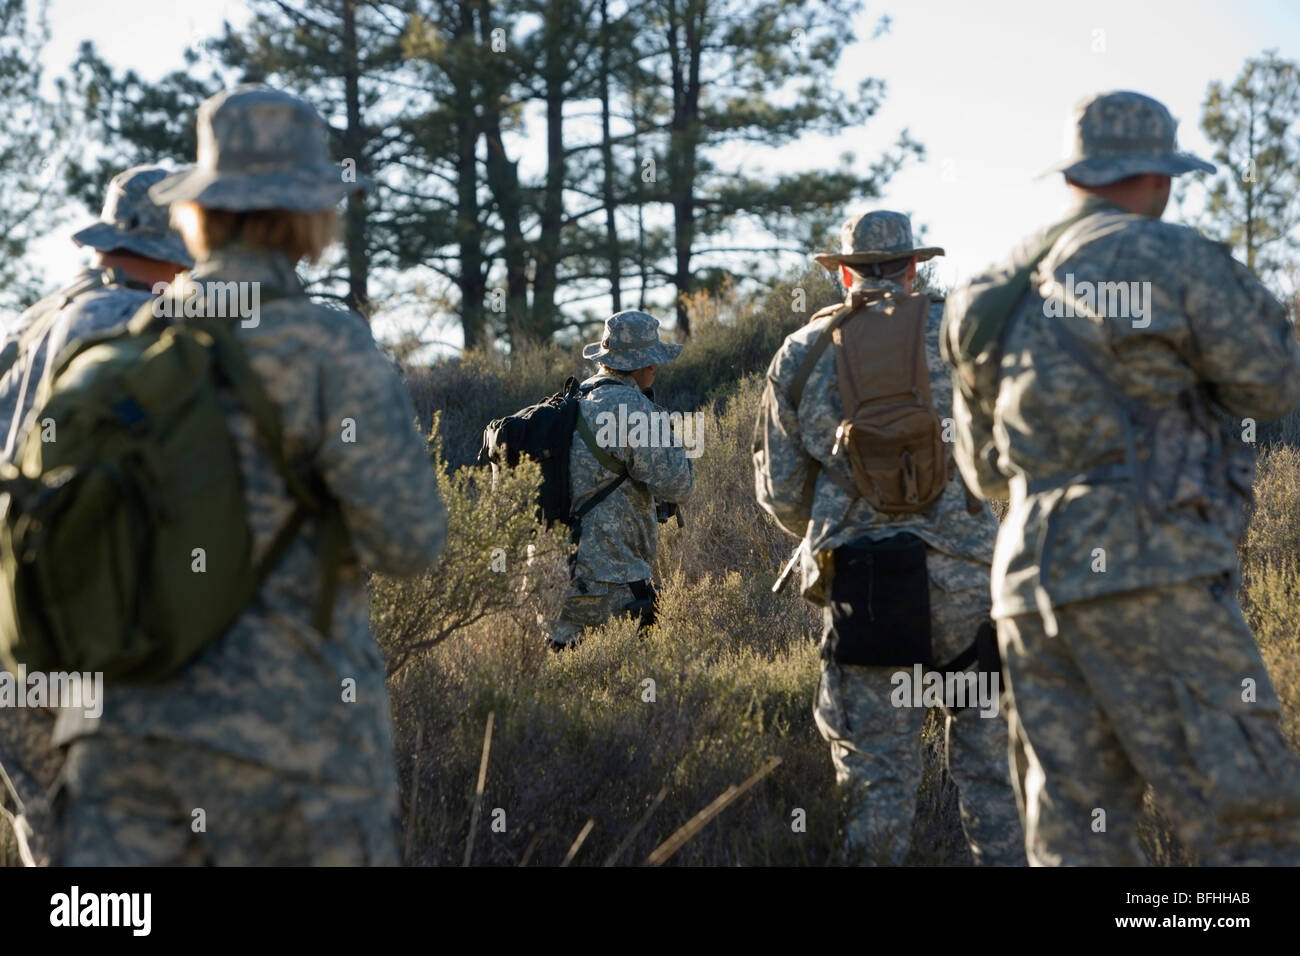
x=986 y=85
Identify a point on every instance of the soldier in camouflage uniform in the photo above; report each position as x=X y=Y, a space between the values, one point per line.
x=135 y=248
x=273 y=746
x=876 y=746
x=618 y=538
x=1127 y=659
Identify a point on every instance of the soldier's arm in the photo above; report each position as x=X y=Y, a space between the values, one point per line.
x=666 y=471
x=374 y=461
x=781 y=462
x=1244 y=346
x=973 y=447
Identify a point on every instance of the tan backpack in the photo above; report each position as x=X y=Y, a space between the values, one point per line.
x=891 y=432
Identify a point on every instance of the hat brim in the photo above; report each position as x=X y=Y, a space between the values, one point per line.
x=1104 y=170
x=833 y=260
x=106 y=237
x=302 y=190
x=629 y=360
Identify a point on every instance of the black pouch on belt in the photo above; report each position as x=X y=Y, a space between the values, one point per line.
x=642 y=607
x=879 y=611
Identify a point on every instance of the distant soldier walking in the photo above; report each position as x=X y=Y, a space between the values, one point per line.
x=273 y=745
x=1093 y=366
x=135 y=248
x=890 y=548
x=615 y=485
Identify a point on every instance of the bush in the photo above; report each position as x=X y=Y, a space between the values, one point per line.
x=498 y=562
x=1270 y=569
x=584 y=736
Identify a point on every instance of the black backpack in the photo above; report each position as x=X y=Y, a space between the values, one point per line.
x=544 y=432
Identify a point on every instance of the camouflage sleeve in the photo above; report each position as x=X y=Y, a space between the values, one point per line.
x=780 y=461
x=665 y=470
x=974 y=449
x=1245 y=346
x=374 y=462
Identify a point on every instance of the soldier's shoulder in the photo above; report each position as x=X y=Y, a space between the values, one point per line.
x=1134 y=238
x=797 y=344
x=612 y=391
x=330 y=324
x=107 y=304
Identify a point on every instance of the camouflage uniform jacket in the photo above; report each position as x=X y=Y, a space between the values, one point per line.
x=1065 y=442
x=620 y=535
x=788 y=439
x=97 y=301
x=271 y=688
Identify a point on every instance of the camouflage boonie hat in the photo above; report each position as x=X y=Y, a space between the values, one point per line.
x=631 y=341
x=259 y=148
x=1121 y=134
x=133 y=222
x=875 y=237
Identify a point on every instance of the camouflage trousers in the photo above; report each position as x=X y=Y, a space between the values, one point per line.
x=124 y=802
x=1163 y=687
x=589 y=604
x=878 y=751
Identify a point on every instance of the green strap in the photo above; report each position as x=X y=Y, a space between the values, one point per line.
x=996 y=305
x=602 y=456
x=37 y=330
x=252 y=397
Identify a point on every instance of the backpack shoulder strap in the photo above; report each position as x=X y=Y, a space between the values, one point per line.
x=805 y=370
x=248 y=389
x=848 y=307
x=997 y=305
x=37 y=330
x=601 y=455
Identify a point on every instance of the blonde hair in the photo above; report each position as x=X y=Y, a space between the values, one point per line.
x=297 y=234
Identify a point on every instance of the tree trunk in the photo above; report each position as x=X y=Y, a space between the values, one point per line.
x=545 y=275
x=354 y=143
x=607 y=160
x=503 y=181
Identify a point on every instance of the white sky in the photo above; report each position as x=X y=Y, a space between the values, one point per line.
x=985 y=86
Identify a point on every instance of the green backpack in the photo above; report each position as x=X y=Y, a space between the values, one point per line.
x=124 y=542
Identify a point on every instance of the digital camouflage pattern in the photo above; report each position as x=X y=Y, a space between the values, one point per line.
x=1120 y=134
x=589 y=604
x=1215 y=337
x=876 y=746
x=876 y=237
x=272 y=694
x=132 y=222
x=1149 y=687
x=631 y=341
x=1127 y=658
x=260 y=148
x=787 y=439
x=97 y=301
x=252 y=815
x=619 y=537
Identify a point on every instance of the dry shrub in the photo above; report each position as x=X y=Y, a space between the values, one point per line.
x=577 y=737
x=1270 y=569
x=724 y=528
x=498 y=562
